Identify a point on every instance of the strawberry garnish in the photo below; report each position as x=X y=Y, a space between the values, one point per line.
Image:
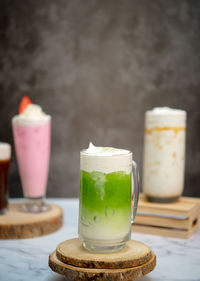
x=25 y=101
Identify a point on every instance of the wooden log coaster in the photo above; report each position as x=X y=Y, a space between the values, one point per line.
x=73 y=253
x=83 y=274
x=16 y=224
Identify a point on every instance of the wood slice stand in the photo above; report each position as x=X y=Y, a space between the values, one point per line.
x=16 y=224
x=178 y=219
x=73 y=261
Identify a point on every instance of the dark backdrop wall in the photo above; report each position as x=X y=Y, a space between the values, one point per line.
x=96 y=67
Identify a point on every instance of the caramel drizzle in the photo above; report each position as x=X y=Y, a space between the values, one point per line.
x=160 y=129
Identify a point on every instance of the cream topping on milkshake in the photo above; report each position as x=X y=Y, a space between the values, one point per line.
x=165 y=116
x=33 y=113
x=105 y=159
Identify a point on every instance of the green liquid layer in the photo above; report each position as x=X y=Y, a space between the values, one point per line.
x=105 y=201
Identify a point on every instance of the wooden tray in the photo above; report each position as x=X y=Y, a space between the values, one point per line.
x=73 y=261
x=16 y=224
x=178 y=219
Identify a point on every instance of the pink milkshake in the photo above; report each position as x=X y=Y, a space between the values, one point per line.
x=32 y=132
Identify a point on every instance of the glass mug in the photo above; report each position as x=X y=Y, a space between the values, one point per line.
x=108 y=186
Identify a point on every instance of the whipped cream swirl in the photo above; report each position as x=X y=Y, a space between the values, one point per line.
x=32 y=114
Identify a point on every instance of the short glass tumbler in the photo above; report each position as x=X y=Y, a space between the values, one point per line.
x=5 y=155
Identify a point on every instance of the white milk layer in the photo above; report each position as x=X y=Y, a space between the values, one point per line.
x=105 y=159
x=164 y=153
x=105 y=231
x=165 y=117
x=5 y=151
x=33 y=114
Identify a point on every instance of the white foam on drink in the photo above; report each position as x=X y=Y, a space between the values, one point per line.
x=32 y=114
x=104 y=151
x=105 y=159
x=5 y=151
x=165 y=116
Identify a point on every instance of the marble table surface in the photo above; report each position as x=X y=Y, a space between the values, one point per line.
x=27 y=259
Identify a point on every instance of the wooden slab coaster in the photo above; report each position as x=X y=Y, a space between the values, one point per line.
x=179 y=219
x=16 y=224
x=83 y=274
x=73 y=253
x=181 y=209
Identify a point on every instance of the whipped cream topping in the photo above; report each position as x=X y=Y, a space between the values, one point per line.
x=104 y=151
x=166 y=111
x=5 y=151
x=105 y=159
x=32 y=113
x=165 y=116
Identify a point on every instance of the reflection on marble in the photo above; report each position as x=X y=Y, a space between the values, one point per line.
x=27 y=259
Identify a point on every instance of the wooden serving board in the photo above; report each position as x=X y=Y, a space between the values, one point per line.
x=73 y=261
x=178 y=219
x=16 y=224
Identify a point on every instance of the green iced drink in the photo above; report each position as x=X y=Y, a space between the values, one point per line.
x=105 y=204
x=105 y=198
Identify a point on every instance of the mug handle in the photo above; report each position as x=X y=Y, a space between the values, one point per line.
x=135 y=190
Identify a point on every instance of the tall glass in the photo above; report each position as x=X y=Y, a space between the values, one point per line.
x=5 y=154
x=106 y=184
x=164 y=154
x=32 y=145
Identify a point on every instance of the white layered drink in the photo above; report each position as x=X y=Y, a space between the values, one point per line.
x=164 y=154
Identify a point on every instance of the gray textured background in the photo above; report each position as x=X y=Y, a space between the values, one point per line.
x=96 y=66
